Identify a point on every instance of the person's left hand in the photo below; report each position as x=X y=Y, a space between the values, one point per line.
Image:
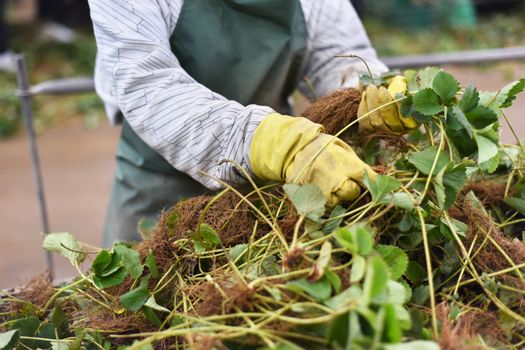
x=388 y=117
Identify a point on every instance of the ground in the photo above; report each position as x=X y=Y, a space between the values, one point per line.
x=78 y=168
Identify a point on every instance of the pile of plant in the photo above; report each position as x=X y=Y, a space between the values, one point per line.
x=430 y=256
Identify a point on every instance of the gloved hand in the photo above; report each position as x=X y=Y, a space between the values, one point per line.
x=389 y=118
x=293 y=150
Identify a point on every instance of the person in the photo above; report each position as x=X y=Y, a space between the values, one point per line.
x=7 y=56
x=202 y=87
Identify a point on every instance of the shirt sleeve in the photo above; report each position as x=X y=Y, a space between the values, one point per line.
x=196 y=130
x=334 y=28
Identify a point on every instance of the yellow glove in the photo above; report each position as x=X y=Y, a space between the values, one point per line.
x=295 y=150
x=389 y=118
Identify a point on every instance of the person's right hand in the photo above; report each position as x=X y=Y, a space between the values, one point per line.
x=388 y=118
x=295 y=150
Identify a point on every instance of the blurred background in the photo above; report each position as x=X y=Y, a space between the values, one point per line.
x=77 y=145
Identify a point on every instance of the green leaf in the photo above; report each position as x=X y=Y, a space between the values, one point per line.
x=455 y=176
x=136 y=298
x=332 y=223
x=130 y=259
x=427 y=102
x=209 y=236
x=198 y=245
x=275 y=293
x=459 y=120
x=447 y=183
x=152 y=303
x=481 y=117
x=398 y=199
x=308 y=200
x=358 y=269
x=488 y=153
x=407 y=109
x=152 y=265
x=27 y=327
x=413 y=345
x=356 y=238
x=503 y=98
x=151 y=316
x=270 y=266
x=397 y=293
x=419 y=117
x=236 y=252
x=66 y=245
x=465 y=144
x=58 y=317
x=392 y=328
x=47 y=331
x=426 y=76
x=439 y=187
x=101 y=262
x=470 y=99
x=395 y=258
x=8 y=340
x=421 y=295
x=171 y=221
x=376 y=279
x=459 y=227
x=146 y=346
x=423 y=160
x=381 y=185
x=345 y=298
x=403 y=316
x=59 y=345
x=146 y=226
x=411 y=77
x=510 y=91
x=287 y=346
x=322 y=262
x=112 y=280
x=334 y=280
x=319 y=290
x=338 y=331
x=491 y=100
x=517 y=204
x=452 y=122
x=445 y=86
x=109 y=269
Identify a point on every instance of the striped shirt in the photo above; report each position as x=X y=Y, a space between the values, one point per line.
x=195 y=129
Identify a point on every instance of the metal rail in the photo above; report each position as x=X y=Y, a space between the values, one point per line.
x=27 y=113
x=63 y=86
x=86 y=84
x=460 y=57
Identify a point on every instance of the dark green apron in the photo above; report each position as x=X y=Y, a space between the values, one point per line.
x=249 y=51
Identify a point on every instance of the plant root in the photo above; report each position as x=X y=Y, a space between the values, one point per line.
x=220 y=296
x=335 y=111
x=229 y=216
x=457 y=334
x=489 y=259
x=489 y=192
x=36 y=292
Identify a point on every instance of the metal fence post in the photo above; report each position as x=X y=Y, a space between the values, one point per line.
x=25 y=95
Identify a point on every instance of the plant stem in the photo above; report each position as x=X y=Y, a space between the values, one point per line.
x=430 y=275
x=434 y=164
x=513 y=132
x=362 y=60
x=61 y=290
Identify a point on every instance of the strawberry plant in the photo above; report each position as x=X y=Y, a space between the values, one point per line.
x=430 y=256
